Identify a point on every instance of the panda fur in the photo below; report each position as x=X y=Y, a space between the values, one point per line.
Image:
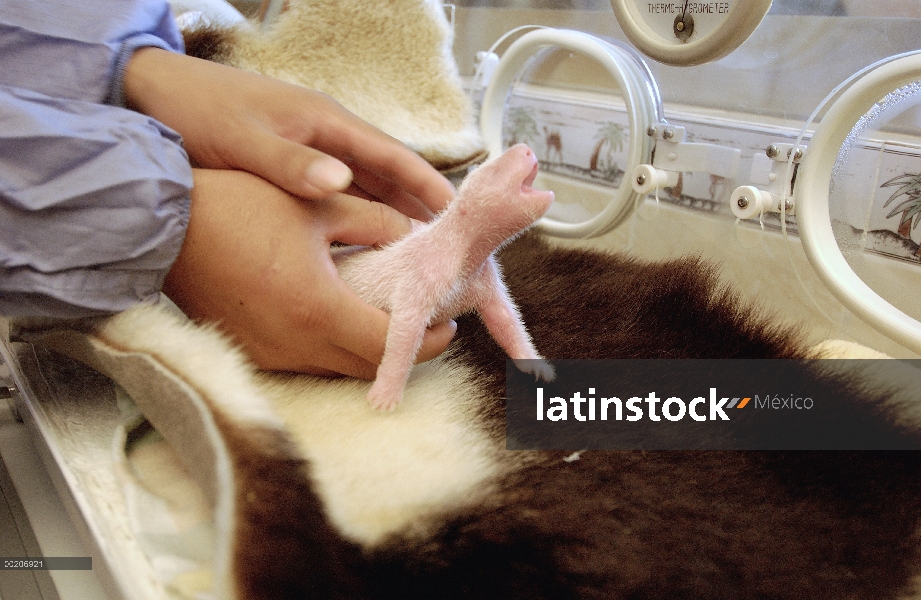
x=342 y=501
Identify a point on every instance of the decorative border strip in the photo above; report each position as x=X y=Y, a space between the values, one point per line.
x=584 y=136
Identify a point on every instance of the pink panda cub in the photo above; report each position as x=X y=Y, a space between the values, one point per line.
x=447 y=267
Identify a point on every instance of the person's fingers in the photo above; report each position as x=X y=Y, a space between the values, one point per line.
x=341 y=361
x=309 y=173
x=326 y=331
x=436 y=340
x=326 y=361
x=391 y=194
x=361 y=331
x=360 y=144
x=354 y=190
x=407 y=171
x=332 y=333
x=353 y=220
x=241 y=120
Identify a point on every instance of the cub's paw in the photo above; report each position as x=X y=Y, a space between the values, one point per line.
x=381 y=398
x=540 y=368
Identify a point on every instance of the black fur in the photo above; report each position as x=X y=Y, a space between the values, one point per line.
x=638 y=525
x=676 y=525
x=208 y=42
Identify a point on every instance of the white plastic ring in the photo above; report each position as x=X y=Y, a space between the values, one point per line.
x=641 y=113
x=811 y=193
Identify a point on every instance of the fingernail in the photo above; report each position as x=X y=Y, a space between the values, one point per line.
x=327 y=173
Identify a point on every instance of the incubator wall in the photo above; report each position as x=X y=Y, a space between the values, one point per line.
x=572 y=112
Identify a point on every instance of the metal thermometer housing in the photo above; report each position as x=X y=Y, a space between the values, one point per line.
x=684 y=33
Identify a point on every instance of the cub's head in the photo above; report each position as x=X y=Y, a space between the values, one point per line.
x=498 y=194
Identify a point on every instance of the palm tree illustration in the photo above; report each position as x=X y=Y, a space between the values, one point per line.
x=910 y=207
x=610 y=138
x=520 y=127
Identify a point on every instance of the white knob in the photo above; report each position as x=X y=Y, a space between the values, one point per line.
x=646 y=178
x=486 y=66
x=748 y=202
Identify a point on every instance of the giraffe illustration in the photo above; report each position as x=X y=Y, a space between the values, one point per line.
x=678 y=188
x=554 y=146
x=717 y=186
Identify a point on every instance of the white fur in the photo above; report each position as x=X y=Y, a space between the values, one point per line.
x=383 y=473
x=391 y=63
x=204 y=358
x=376 y=473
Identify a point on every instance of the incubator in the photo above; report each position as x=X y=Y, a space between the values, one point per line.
x=781 y=140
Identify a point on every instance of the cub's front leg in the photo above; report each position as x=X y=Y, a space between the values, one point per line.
x=503 y=321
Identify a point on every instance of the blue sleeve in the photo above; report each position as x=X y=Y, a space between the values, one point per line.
x=78 y=49
x=94 y=198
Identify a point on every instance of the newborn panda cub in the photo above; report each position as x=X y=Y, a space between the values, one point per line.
x=447 y=267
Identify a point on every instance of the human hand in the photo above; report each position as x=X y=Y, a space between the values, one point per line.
x=256 y=260
x=301 y=140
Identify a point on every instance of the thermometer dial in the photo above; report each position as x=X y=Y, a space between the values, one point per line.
x=685 y=33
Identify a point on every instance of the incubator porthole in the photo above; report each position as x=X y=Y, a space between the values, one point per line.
x=858 y=199
x=530 y=99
